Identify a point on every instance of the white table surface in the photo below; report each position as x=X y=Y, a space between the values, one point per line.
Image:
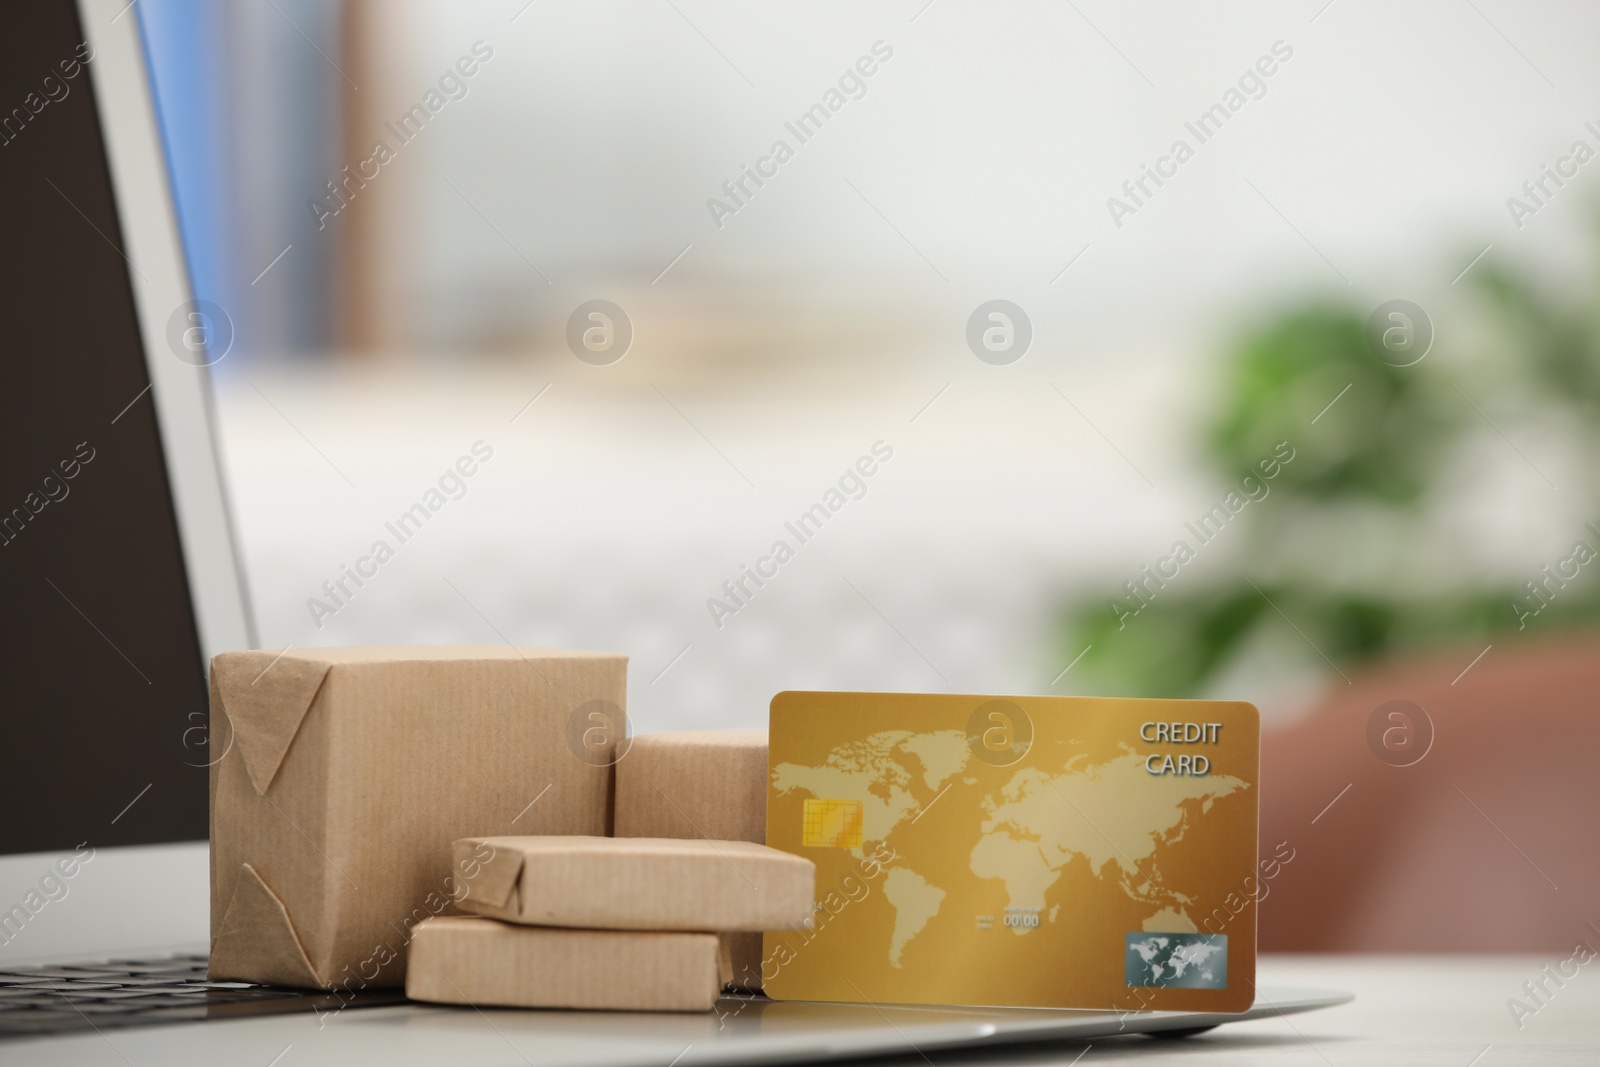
x=1442 y=1011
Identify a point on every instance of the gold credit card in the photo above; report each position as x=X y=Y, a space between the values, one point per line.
x=1051 y=852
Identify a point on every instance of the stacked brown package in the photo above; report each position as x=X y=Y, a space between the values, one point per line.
x=484 y=962
x=345 y=774
x=699 y=783
x=599 y=922
x=341 y=777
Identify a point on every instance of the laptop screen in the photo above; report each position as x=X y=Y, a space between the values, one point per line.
x=104 y=705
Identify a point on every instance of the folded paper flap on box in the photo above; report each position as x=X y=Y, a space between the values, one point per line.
x=258 y=938
x=266 y=697
x=491 y=880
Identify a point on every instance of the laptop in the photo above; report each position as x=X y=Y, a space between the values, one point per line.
x=120 y=574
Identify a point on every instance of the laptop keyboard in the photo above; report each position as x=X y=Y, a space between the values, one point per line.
x=169 y=989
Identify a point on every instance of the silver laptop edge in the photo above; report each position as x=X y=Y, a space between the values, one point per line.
x=160 y=282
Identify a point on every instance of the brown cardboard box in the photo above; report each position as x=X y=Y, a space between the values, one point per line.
x=346 y=773
x=641 y=883
x=694 y=783
x=482 y=962
x=699 y=783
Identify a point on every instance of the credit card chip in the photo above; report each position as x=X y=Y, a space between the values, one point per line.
x=831 y=824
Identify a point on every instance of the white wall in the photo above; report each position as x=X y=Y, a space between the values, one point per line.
x=991 y=141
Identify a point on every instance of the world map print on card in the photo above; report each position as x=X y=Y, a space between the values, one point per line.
x=1015 y=843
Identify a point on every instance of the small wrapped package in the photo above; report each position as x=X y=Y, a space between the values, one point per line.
x=694 y=783
x=699 y=783
x=641 y=883
x=344 y=775
x=466 y=960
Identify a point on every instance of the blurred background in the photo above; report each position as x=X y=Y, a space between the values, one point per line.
x=1306 y=288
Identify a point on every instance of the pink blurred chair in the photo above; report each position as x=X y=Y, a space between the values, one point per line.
x=1489 y=842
